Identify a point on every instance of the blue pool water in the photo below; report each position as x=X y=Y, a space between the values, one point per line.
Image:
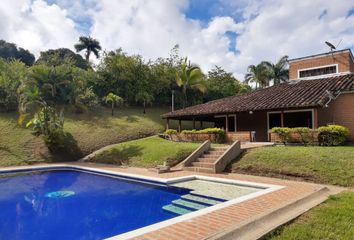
x=77 y=205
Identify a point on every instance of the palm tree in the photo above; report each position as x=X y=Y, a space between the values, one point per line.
x=190 y=76
x=113 y=99
x=90 y=44
x=278 y=72
x=258 y=74
x=145 y=97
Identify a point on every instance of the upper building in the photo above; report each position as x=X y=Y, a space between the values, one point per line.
x=321 y=65
x=320 y=92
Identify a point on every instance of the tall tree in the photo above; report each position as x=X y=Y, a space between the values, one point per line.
x=89 y=44
x=62 y=56
x=278 y=72
x=9 y=51
x=190 y=76
x=222 y=84
x=258 y=74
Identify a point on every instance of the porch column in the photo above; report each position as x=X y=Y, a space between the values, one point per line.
x=282 y=119
x=167 y=123
x=201 y=124
x=227 y=123
x=179 y=125
x=315 y=118
x=193 y=123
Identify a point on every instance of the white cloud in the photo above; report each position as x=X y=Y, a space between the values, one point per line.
x=152 y=28
x=266 y=29
x=293 y=28
x=35 y=25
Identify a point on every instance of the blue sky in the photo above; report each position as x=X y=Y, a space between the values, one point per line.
x=229 y=33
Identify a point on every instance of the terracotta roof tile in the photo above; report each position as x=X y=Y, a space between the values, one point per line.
x=295 y=94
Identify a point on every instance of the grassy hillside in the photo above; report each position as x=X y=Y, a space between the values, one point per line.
x=146 y=152
x=86 y=133
x=331 y=165
x=331 y=220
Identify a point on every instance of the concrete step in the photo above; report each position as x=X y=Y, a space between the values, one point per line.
x=206 y=160
x=176 y=209
x=209 y=157
x=199 y=169
x=219 y=148
x=214 y=152
x=188 y=204
x=199 y=199
x=203 y=164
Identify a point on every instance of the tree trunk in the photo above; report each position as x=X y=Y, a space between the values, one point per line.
x=144 y=107
x=184 y=98
x=112 y=109
x=88 y=53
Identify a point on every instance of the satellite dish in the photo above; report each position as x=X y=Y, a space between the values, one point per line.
x=330 y=45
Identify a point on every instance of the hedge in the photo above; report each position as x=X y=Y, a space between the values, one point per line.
x=331 y=135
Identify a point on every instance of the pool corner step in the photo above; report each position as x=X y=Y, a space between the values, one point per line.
x=176 y=209
x=198 y=199
x=188 y=204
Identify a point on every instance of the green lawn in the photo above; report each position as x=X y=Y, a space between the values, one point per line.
x=330 y=165
x=332 y=220
x=86 y=133
x=146 y=152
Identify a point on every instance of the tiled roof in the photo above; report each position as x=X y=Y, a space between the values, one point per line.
x=295 y=94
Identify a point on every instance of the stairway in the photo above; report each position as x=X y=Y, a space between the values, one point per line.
x=206 y=162
x=189 y=203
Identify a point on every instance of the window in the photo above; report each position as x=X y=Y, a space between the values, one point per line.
x=220 y=122
x=318 y=71
x=298 y=119
x=274 y=120
x=291 y=119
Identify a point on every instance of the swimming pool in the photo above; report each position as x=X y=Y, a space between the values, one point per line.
x=77 y=204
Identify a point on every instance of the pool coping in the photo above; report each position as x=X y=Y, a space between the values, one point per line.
x=266 y=188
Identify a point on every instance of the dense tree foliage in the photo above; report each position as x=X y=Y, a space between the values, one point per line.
x=222 y=84
x=11 y=75
x=62 y=56
x=62 y=77
x=9 y=51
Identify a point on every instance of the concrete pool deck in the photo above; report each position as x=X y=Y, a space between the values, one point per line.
x=249 y=219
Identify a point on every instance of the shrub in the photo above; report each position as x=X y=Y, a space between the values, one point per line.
x=87 y=99
x=220 y=133
x=332 y=135
x=213 y=131
x=50 y=125
x=170 y=131
x=283 y=132
x=306 y=134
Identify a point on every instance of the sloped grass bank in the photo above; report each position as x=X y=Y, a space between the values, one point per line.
x=329 y=165
x=332 y=220
x=146 y=152
x=86 y=133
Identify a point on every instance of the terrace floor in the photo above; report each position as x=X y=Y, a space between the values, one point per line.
x=249 y=219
